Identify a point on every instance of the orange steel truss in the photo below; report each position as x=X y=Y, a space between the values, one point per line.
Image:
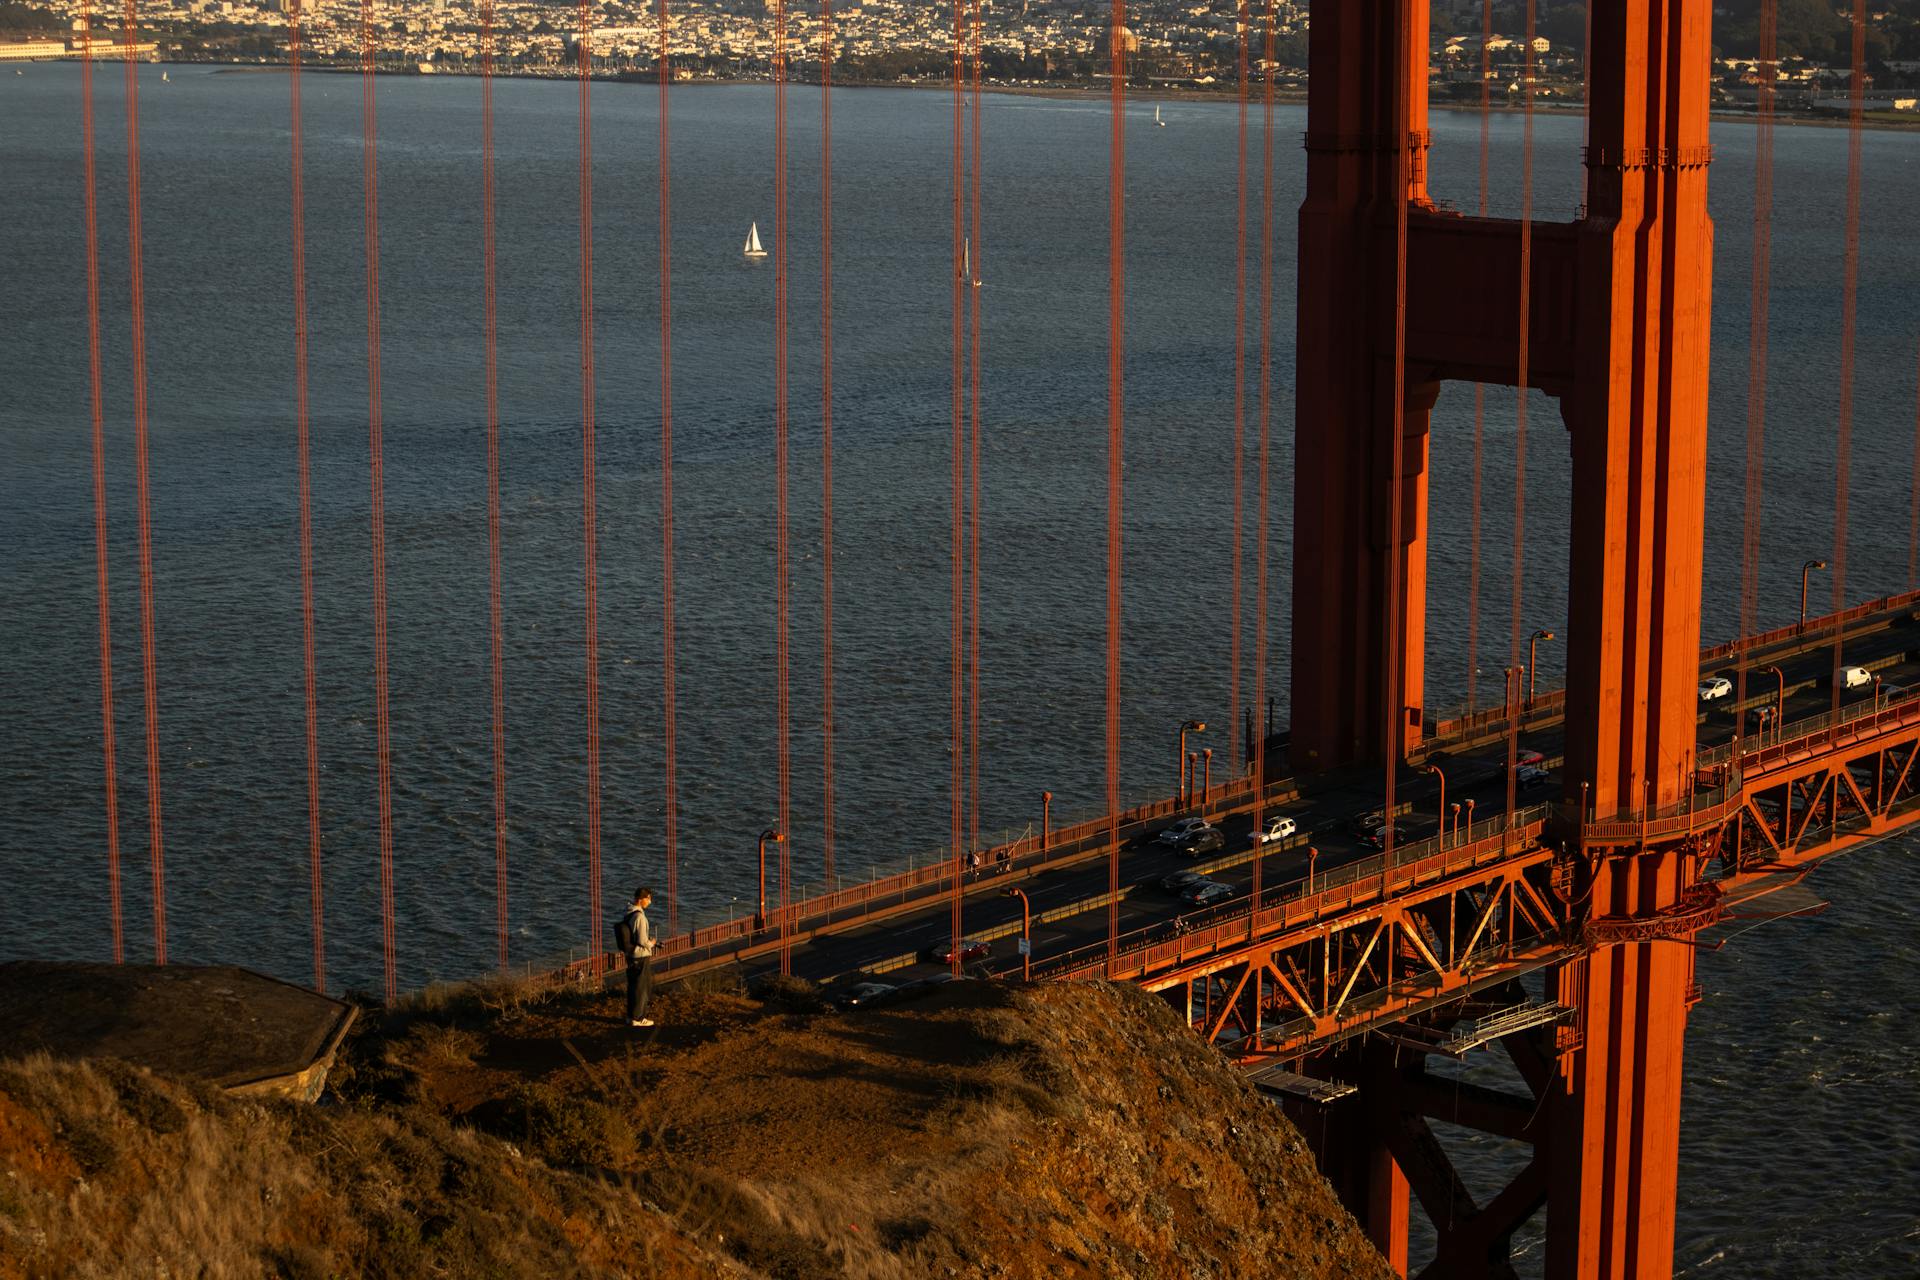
x=1375 y=968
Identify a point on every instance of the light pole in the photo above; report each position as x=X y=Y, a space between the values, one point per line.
x=1195 y=726
x=1805 y=569
x=1455 y=823
x=1313 y=856
x=1026 y=932
x=1046 y=820
x=1469 y=821
x=774 y=835
x=1206 y=774
x=1532 y=645
x=1434 y=769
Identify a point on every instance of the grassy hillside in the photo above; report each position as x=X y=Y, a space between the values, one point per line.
x=1073 y=1131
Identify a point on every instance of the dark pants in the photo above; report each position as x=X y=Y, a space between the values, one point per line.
x=639 y=986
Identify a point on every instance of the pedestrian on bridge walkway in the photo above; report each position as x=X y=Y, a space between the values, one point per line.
x=634 y=936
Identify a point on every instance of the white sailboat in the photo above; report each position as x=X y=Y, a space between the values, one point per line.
x=966 y=263
x=163 y=78
x=753 y=249
x=1156 y=116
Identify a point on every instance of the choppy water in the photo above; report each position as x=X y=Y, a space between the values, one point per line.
x=216 y=202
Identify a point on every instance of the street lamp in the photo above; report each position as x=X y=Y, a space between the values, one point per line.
x=774 y=835
x=1026 y=932
x=1046 y=820
x=1532 y=645
x=1206 y=774
x=1454 y=824
x=1313 y=856
x=1805 y=569
x=1196 y=726
x=1434 y=769
x=1469 y=821
x=1780 y=701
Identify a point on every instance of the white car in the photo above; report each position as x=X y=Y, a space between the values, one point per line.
x=1855 y=677
x=1184 y=830
x=1277 y=829
x=1718 y=687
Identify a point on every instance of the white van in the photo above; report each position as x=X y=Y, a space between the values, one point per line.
x=1855 y=677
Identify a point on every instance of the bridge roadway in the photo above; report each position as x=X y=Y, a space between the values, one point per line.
x=1067 y=885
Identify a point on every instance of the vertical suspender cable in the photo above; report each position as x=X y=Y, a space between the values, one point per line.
x=589 y=522
x=316 y=884
x=104 y=602
x=147 y=673
x=1116 y=401
x=1757 y=341
x=1243 y=34
x=1261 y=533
x=1850 y=289
x=496 y=643
x=1521 y=359
x=383 y=738
x=780 y=469
x=1479 y=388
x=973 y=548
x=1392 y=704
x=826 y=437
x=1913 y=515
x=957 y=499
x=669 y=679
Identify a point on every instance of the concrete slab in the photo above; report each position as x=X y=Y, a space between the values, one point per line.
x=231 y=1027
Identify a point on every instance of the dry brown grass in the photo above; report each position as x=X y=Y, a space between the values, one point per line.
x=986 y=1131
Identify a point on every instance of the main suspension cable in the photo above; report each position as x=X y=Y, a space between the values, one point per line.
x=103 y=599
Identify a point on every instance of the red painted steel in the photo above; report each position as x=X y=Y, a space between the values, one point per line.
x=1757 y=329
x=1849 y=295
x=956 y=496
x=782 y=582
x=589 y=514
x=1243 y=34
x=1262 y=531
x=973 y=508
x=1116 y=417
x=496 y=638
x=110 y=772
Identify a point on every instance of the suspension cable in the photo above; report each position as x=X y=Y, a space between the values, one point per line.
x=148 y=675
x=1479 y=388
x=669 y=678
x=1392 y=703
x=1261 y=532
x=826 y=436
x=383 y=735
x=1757 y=325
x=781 y=591
x=973 y=539
x=496 y=633
x=957 y=555
x=104 y=600
x=1243 y=33
x=1116 y=402
x=1850 y=288
x=589 y=522
x=316 y=889
x=1521 y=362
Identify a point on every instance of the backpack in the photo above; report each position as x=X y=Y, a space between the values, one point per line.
x=623 y=939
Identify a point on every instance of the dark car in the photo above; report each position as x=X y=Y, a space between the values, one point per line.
x=1205 y=840
x=1179 y=881
x=971 y=950
x=1206 y=893
x=1377 y=837
x=1367 y=823
x=862 y=994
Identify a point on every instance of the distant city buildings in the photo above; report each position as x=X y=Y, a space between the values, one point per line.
x=1171 y=43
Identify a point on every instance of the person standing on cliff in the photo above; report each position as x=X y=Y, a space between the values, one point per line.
x=634 y=936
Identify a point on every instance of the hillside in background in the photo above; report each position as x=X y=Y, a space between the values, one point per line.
x=985 y=1130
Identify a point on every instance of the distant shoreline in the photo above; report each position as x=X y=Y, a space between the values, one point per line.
x=1066 y=92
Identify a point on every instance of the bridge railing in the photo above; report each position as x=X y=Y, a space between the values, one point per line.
x=1164 y=944
x=929 y=881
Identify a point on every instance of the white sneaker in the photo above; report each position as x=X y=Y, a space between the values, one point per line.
x=643 y=1022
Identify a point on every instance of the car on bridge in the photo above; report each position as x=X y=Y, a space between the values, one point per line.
x=972 y=950
x=862 y=994
x=1178 y=882
x=1856 y=677
x=1205 y=840
x=1181 y=831
x=1276 y=828
x=1530 y=776
x=1367 y=823
x=1377 y=838
x=1207 y=893
x=1718 y=687
x=1530 y=758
